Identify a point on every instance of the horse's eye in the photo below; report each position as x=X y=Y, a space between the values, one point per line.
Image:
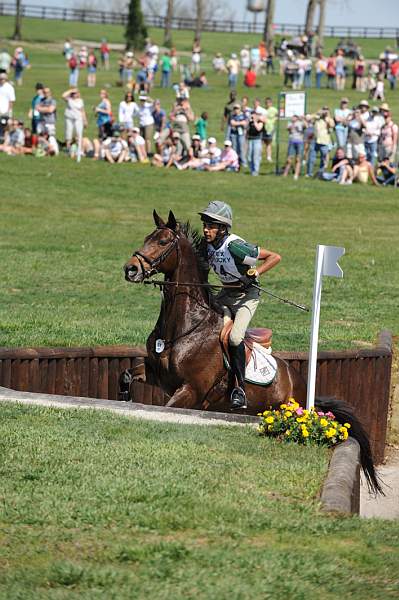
x=163 y=242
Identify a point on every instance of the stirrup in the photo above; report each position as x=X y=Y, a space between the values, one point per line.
x=238 y=399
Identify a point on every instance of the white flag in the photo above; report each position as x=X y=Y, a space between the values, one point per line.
x=330 y=261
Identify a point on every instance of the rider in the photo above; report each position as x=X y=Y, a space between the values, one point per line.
x=234 y=261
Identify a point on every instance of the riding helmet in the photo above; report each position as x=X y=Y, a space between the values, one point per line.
x=218 y=212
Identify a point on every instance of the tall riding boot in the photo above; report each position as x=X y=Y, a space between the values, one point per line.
x=237 y=362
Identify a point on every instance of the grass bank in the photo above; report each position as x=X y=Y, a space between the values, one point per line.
x=99 y=506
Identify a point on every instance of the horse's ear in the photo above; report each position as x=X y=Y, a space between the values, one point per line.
x=172 y=223
x=157 y=219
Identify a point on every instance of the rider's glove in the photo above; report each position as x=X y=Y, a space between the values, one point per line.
x=246 y=281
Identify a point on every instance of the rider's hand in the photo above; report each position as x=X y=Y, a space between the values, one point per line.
x=246 y=281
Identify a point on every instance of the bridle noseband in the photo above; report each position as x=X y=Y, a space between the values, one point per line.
x=153 y=263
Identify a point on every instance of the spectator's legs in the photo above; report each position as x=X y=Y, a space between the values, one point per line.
x=323 y=148
x=311 y=159
x=342 y=135
x=250 y=155
x=69 y=127
x=257 y=156
x=371 y=151
x=241 y=150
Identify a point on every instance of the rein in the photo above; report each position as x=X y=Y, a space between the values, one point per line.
x=153 y=263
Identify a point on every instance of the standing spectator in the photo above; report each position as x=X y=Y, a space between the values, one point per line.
x=103 y=112
x=73 y=66
x=372 y=132
x=201 y=125
x=34 y=113
x=290 y=67
x=341 y=116
x=233 y=67
x=196 y=57
x=359 y=74
x=269 y=61
x=238 y=124
x=82 y=56
x=228 y=109
x=389 y=136
x=5 y=61
x=128 y=66
x=322 y=128
x=181 y=117
x=271 y=113
x=340 y=74
x=320 y=68
x=356 y=126
x=19 y=62
x=47 y=108
x=307 y=65
x=364 y=109
x=255 y=128
x=393 y=74
x=245 y=59
x=128 y=109
x=218 y=63
x=75 y=118
x=159 y=116
x=104 y=53
x=379 y=89
x=166 y=68
x=91 y=69
x=308 y=140
x=295 y=146
x=255 y=58
x=68 y=50
x=300 y=74
x=7 y=97
x=331 y=72
x=146 y=120
x=173 y=59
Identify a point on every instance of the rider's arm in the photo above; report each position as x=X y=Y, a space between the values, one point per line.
x=269 y=260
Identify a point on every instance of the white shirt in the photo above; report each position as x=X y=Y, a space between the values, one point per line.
x=74 y=109
x=372 y=130
x=127 y=111
x=145 y=114
x=7 y=95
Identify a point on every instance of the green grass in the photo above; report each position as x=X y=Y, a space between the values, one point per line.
x=100 y=506
x=67 y=229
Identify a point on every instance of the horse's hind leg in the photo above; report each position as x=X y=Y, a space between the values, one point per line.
x=184 y=397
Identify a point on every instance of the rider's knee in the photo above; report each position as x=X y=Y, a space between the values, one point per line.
x=236 y=338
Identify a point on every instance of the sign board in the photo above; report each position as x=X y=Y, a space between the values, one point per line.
x=292 y=103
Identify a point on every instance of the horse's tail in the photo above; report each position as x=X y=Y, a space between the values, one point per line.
x=343 y=413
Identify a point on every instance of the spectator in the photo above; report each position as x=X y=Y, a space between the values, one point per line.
x=7 y=97
x=196 y=57
x=341 y=116
x=47 y=107
x=322 y=128
x=47 y=145
x=19 y=63
x=115 y=148
x=393 y=74
x=228 y=109
x=359 y=74
x=214 y=153
x=159 y=116
x=146 y=120
x=250 y=78
x=14 y=138
x=255 y=128
x=104 y=53
x=308 y=140
x=331 y=72
x=341 y=168
x=128 y=109
x=387 y=171
x=290 y=68
x=161 y=158
x=182 y=91
x=166 y=67
x=82 y=57
x=295 y=146
x=5 y=61
x=228 y=160
x=372 y=131
x=179 y=153
x=320 y=68
x=34 y=113
x=218 y=63
x=255 y=58
x=137 y=146
x=245 y=59
x=379 y=89
x=269 y=62
x=270 y=126
x=233 y=67
x=173 y=59
x=91 y=69
x=201 y=127
x=363 y=171
x=238 y=124
x=68 y=50
x=307 y=76
x=128 y=65
x=301 y=62
x=75 y=118
x=340 y=74
x=103 y=112
x=181 y=117
x=73 y=70
x=197 y=82
x=356 y=127
x=389 y=136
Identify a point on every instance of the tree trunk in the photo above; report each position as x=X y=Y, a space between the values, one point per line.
x=310 y=12
x=168 y=25
x=18 y=19
x=200 y=14
x=268 y=32
x=322 y=18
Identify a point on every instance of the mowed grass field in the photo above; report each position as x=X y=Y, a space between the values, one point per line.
x=99 y=506
x=67 y=229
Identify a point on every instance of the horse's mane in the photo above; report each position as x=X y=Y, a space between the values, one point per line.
x=199 y=246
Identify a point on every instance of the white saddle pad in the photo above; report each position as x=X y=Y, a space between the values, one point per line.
x=262 y=366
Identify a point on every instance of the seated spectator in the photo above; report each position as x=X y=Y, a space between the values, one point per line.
x=295 y=145
x=363 y=171
x=87 y=149
x=228 y=160
x=179 y=154
x=137 y=146
x=161 y=158
x=47 y=145
x=115 y=149
x=196 y=154
x=219 y=64
x=197 y=82
x=387 y=172
x=341 y=168
x=182 y=91
x=14 y=138
x=250 y=78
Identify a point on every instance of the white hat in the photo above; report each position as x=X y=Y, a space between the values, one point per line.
x=259 y=110
x=129 y=54
x=196 y=137
x=227 y=143
x=211 y=140
x=143 y=97
x=234 y=55
x=135 y=130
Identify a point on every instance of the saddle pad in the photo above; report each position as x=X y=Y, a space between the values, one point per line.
x=262 y=366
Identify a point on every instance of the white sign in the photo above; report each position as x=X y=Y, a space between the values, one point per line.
x=326 y=264
x=294 y=103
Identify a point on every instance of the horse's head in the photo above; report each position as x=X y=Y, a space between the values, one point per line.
x=158 y=254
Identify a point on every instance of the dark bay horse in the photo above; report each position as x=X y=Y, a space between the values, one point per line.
x=184 y=354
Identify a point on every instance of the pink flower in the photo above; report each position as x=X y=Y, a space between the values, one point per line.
x=330 y=414
x=321 y=414
x=299 y=411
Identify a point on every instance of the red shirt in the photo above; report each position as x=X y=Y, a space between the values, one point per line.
x=250 y=79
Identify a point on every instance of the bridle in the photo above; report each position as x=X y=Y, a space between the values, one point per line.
x=154 y=262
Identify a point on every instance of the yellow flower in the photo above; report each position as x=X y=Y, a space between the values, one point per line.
x=347 y=425
x=288 y=413
x=323 y=422
x=288 y=432
x=344 y=433
x=269 y=419
x=331 y=432
x=305 y=432
x=305 y=412
x=269 y=427
x=300 y=419
x=283 y=406
x=266 y=412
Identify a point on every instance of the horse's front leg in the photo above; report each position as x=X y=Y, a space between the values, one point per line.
x=184 y=397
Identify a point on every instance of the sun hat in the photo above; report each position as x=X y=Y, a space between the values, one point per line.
x=237 y=105
x=135 y=130
x=234 y=55
x=211 y=140
x=259 y=110
x=196 y=137
x=345 y=100
x=227 y=143
x=375 y=109
x=364 y=103
x=384 y=106
x=176 y=135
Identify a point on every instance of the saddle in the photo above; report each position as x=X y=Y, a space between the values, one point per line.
x=258 y=335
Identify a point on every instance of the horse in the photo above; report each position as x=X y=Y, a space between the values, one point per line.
x=184 y=354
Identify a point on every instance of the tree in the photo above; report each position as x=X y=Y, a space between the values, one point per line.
x=18 y=20
x=310 y=12
x=168 y=24
x=322 y=18
x=200 y=18
x=136 y=31
x=268 y=32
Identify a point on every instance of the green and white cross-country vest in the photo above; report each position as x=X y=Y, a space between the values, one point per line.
x=233 y=258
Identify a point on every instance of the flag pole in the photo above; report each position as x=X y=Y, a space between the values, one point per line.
x=314 y=331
